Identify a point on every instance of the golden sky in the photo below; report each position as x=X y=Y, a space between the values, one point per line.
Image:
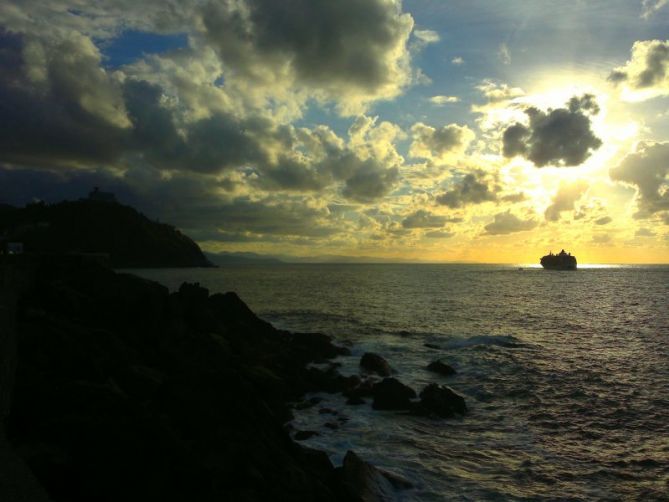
x=427 y=130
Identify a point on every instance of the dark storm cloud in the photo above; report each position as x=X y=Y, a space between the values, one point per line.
x=350 y=43
x=508 y=223
x=648 y=170
x=561 y=136
x=371 y=181
x=423 y=219
x=48 y=109
x=649 y=66
x=473 y=188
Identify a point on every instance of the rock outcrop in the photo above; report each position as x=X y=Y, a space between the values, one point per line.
x=125 y=392
x=441 y=368
x=374 y=363
x=391 y=394
x=441 y=401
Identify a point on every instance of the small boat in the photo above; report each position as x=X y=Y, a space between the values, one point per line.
x=560 y=261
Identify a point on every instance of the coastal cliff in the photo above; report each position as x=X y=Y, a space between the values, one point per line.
x=128 y=238
x=124 y=391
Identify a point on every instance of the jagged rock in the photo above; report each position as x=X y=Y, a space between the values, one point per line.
x=399 y=482
x=123 y=393
x=363 y=481
x=441 y=401
x=374 y=363
x=302 y=435
x=391 y=394
x=355 y=400
x=441 y=368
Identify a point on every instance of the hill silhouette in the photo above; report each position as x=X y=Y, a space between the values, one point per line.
x=87 y=226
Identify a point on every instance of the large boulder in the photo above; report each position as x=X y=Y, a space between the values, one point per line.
x=363 y=481
x=374 y=363
x=391 y=394
x=441 y=368
x=441 y=401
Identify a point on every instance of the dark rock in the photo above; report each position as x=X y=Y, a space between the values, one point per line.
x=391 y=394
x=432 y=346
x=441 y=368
x=374 y=363
x=302 y=435
x=441 y=401
x=327 y=411
x=399 y=482
x=363 y=481
x=355 y=400
x=332 y=425
x=125 y=392
x=317 y=346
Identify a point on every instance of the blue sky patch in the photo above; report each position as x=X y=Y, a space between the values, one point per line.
x=130 y=46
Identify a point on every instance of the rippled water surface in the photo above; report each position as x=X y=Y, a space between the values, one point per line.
x=566 y=374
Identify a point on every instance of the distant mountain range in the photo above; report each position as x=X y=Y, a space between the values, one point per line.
x=244 y=258
x=89 y=226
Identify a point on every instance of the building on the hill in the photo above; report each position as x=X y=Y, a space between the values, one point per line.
x=98 y=195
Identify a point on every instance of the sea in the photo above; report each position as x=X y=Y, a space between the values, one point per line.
x=565 y=374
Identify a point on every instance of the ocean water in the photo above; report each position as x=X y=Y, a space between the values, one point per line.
x=566 y=374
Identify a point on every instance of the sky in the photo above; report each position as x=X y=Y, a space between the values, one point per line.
x=428 y=130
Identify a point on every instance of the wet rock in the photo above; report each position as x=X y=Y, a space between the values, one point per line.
x=441 y=368
x=391 y=394
x=355 y=401
x=441 y=401
x=374 y=363
x=399 y=482
x=363 y=481
x=316 y=346
x=302 y=435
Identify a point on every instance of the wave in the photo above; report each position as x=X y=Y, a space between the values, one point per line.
x=507 y=341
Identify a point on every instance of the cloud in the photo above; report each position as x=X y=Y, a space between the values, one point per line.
x=58 y=106
x=504 y=54
x=438 y=234
x=560 y=137
x=423 y=219
x=439 y=144
x=495 y=92
x=473 y=188
x=508 y=223
x=647 y=169
x=443 y=100
x=647 y=71
x=644 y=232
x=427 y=36
x=565 y=199
x=604 y=220
x=650 y=7
x=351 y=51
x=457 y=61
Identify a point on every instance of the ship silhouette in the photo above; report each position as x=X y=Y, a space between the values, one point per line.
x=560 y=261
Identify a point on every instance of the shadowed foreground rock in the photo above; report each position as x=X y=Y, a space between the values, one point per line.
x=124 y=392
x=441 y=401
x=374 y=363
x=391 y=394
x=368 y=483
x=441 y=368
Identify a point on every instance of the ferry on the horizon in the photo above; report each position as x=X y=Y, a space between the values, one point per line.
x=560 y=261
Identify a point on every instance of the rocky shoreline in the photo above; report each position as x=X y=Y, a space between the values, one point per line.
x=125 y=391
